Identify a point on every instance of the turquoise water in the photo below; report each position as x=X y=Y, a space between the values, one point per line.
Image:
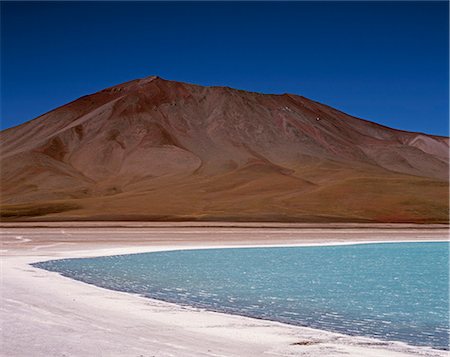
x=394 y=291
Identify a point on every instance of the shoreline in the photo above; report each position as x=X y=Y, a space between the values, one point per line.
x=216 y=224
x=144 y=249
x=231 y=333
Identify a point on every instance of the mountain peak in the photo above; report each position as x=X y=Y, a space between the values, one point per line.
x=149 y=79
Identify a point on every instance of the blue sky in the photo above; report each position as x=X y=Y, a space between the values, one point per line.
x=382 y=61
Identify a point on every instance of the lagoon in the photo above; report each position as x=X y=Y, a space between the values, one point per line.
x=389 y=291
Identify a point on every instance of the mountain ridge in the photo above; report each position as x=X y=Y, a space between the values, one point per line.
x=239 y=90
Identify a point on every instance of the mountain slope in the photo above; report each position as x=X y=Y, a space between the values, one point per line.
x=154 y=149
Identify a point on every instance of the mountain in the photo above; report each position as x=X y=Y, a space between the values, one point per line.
x=152 y=149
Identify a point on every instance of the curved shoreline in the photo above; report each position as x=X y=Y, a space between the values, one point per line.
x=277 y=339
x=237 y=313
x=145 y=249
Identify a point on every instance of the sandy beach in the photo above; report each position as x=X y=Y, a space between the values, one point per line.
x=45 y=314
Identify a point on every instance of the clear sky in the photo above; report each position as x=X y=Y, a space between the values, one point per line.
x=382 y=61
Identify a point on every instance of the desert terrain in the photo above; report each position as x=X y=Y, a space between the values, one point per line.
x=159 y=150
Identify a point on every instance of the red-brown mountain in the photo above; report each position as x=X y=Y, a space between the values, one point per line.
x=152 y=149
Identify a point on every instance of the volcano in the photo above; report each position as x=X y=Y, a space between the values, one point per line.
x=158 y=150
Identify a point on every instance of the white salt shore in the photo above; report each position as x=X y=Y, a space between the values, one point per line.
x=46 y=314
